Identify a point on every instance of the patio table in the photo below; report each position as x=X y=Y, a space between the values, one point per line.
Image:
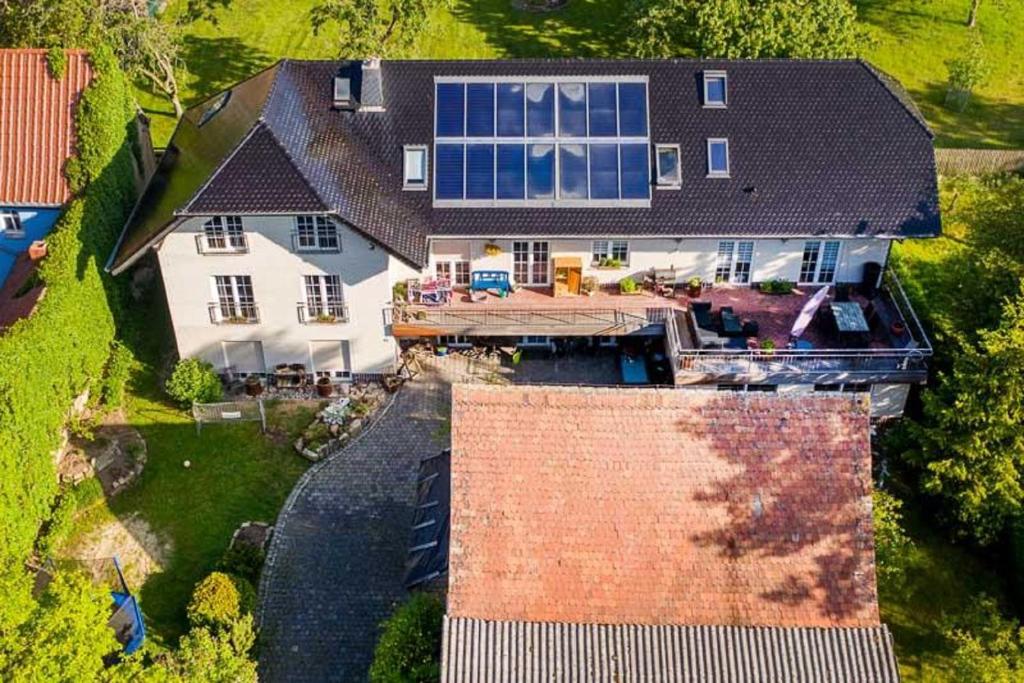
x=849 y=317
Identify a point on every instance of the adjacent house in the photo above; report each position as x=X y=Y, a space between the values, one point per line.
x=37 y=137
x=523 y=201
x=660 y=535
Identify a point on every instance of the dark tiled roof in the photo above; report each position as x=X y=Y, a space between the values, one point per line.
x=817 y=148
x=476 y=651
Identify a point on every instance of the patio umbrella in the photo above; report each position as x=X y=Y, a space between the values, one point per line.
x=807 y=313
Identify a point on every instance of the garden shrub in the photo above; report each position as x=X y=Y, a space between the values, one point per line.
x=892 y=545
x=409 y=648
x=220 y=599
x=194 y=381
x=61 y=349
x=116 y=376
x=628 y=285
x=776 y=286
x=243 y=560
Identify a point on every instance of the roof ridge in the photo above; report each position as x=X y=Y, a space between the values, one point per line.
x=890 y=85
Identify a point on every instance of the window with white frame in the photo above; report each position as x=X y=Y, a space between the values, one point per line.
x=718 y=158
x=316 y=233
x=224 y=233
x=611 y=253
x=461 y=273
x=819 y=262
x=415 y=165
x=715 y=89
x=235 y=298
x=10 y=224
x=530 y=262
x=324 y=300
x=669 y=173
x=456 y=272
x=734 y=261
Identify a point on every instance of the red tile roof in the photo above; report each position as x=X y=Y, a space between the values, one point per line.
x=37 y=125
x=643 y=506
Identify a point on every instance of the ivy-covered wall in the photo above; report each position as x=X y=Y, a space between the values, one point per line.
x=52 y=356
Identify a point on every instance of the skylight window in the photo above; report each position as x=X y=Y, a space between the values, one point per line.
x=715 y=89
x=669 y=173
x=542 y=141
x=214 y=108
x=415 y=165
x=718 y=158
x=342 y=91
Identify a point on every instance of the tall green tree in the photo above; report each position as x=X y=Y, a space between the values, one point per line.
x=377 y=28
x=744 y=29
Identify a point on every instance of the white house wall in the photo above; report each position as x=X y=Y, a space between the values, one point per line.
x=367 y=273
x=773 y=258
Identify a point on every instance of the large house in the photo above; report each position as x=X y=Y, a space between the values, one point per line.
x=37 y=137
x=512 y=199
x=657 y=535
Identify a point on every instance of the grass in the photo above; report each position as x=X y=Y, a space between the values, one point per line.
x=912 y=39
x=237 y=474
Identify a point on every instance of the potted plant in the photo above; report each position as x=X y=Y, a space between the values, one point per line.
x=325 y=318
x=589 y=285
x=768 y=347
x=324 y=388
x=441 y=350
x=281 y=367
x=253 y=385
x=400 y=293
x=628 y=285
x=694 y=286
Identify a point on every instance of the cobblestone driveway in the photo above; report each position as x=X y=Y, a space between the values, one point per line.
x=335 y=565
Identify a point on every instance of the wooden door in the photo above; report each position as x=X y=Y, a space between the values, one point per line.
x=575 y=277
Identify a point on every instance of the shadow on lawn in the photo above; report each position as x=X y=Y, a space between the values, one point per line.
x=584 y=28
x=218 y=63
x=986 y=122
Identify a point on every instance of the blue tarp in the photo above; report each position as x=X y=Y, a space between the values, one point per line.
x=634 y=370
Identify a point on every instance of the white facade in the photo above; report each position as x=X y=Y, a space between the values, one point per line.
x=771 y=258
x=358 y=345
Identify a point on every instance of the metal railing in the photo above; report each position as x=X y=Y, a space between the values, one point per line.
x=327 y=314
x=912 y=358
x=322 y=240
x=226 y=244
x=233 y=313
x=524 y=318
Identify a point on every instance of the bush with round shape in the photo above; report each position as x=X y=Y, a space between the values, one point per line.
x=194 y=381
x=220 y=599
x=409 y=648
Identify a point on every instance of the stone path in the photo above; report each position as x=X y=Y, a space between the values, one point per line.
x=336 y=562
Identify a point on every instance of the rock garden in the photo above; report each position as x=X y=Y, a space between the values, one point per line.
x=340 y=420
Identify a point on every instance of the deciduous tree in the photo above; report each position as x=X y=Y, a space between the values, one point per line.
x=367 y=28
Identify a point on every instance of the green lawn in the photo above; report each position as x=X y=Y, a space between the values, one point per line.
x=912 y=39
x=237 y=474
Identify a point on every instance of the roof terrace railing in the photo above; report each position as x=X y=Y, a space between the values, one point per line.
x=524 y=318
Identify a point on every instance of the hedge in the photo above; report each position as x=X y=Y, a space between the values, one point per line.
x=62 y=349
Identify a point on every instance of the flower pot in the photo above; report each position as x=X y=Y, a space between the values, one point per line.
x=897 y=328
x=441 y=351
x=253 y=385
x=37 y=250
x=324 y=388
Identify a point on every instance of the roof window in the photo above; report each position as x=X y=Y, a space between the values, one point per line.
x=415 y=167
x=214 y=108
x=715 y=89
x=718 y=158
x=342 y=92
x=668 y=171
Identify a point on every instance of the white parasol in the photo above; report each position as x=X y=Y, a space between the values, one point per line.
x=807 y=313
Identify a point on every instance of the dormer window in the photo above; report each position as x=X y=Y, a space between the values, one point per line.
x=415 y=165
x=718 y=158
x=668 y=171
x=715 y=89
x=342 y=91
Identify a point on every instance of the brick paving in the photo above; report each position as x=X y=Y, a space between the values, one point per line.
x=336 y=562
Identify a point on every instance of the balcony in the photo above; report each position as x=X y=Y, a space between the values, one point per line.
x=329 y=314
x=878 y=356
x=233 y=313
x=535 y=312
x=227 y=244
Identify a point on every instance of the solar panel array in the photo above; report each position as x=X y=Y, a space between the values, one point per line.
x=542 y=142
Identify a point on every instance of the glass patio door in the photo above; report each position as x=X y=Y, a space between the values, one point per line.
x=530 y=262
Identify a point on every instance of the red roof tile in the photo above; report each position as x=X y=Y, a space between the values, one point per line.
x=37 y=125
x=652 y=506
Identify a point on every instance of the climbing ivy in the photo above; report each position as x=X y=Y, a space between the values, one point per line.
x=62 y=348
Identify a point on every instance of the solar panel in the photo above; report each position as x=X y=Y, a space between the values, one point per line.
x=511 y=172
x=601 y=100
x=633 y=109
x=540 y=172
x=636 y=176
x=573 y=171
x=450 y=108
x=480 y=171
x=604 y=171
x=572 y=110
x=448 y=184
x=510 y=110
x=540 y=109
x=480 y=110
